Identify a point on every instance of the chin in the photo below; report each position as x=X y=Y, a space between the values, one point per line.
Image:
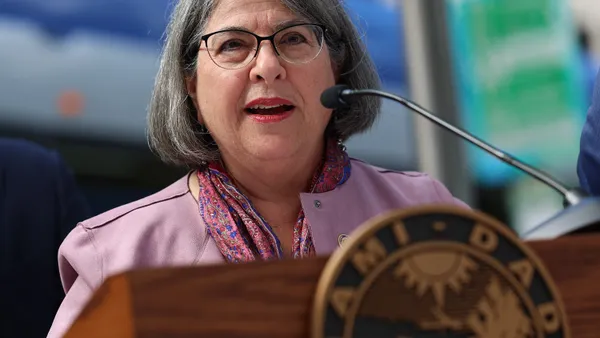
x=273 y=148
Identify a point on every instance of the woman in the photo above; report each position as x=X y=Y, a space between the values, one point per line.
x=237 y=99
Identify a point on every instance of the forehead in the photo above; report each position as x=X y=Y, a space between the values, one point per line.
x=253 y=15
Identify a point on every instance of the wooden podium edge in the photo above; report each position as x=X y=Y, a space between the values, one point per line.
x=109 y=312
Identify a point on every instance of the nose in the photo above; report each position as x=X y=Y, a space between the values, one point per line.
x=267 y=66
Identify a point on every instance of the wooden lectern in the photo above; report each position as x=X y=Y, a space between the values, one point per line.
x=277 y=299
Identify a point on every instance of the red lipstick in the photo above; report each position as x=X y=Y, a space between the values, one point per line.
x=269 y=110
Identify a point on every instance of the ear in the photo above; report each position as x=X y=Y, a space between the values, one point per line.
x=192 y=91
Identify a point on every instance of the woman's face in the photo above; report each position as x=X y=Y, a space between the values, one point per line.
x=227 y=99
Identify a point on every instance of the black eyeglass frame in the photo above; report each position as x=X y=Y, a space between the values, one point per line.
x=260 y=39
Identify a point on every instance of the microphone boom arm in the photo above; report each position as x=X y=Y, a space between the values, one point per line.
x=571 y=196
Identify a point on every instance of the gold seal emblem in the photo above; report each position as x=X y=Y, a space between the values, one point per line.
x=436 y=272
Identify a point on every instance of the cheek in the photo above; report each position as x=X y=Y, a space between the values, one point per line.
x=218 y=95
x=312 y=82
x=322 y=75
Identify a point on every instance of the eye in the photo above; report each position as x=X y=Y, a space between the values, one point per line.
x=231 y=45
x=292 y=39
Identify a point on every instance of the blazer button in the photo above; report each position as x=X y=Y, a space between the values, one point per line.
x=318 y=204
x=341 y=239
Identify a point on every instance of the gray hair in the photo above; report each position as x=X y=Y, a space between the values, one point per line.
x=173 y=129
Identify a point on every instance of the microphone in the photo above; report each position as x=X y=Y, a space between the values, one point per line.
x=576 y=214
x=334 y=97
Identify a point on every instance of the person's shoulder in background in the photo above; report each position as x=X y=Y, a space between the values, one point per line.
x=40 y=204
x=588 y=164
x=39 y=178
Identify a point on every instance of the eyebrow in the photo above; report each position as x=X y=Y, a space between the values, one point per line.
x=279 y=26
x=289 y=23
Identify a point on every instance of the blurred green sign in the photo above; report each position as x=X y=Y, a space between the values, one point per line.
x=519 y=81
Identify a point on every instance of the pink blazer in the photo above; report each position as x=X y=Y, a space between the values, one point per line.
x=166 y=229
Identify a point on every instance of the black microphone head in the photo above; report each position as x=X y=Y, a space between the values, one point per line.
x=332 y=97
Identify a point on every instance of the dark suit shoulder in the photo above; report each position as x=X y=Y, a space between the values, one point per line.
x=18 y=154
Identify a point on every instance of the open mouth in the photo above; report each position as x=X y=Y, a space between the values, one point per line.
x=269 y=110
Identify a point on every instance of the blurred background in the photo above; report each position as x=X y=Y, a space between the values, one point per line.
x=77 y=75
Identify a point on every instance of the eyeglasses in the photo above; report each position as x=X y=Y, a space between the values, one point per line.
x=235 y=49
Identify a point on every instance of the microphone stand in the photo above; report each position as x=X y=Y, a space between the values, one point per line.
x=581 y=214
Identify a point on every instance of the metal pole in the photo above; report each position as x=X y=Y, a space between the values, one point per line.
x=440 y=154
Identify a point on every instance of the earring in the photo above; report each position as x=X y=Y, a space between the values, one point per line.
x=341 y=144
x=203 y=129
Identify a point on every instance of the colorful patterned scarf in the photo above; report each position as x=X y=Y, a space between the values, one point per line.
x=241 y=234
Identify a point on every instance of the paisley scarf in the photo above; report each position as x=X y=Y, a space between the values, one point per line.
x=240 y=232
